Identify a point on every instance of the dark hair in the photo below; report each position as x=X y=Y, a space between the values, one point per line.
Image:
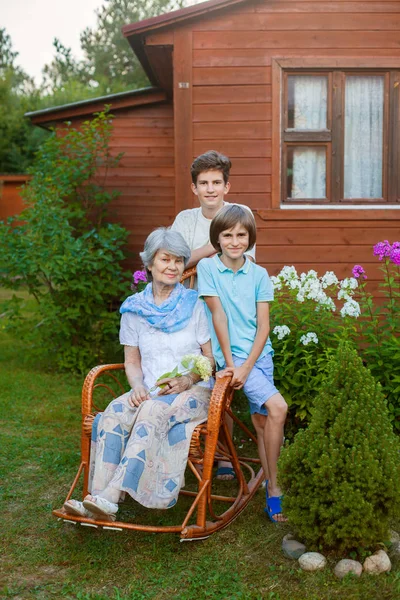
x=210 y=161
x=227 y=218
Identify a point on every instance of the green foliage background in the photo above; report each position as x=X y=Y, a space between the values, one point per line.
x=65 y=253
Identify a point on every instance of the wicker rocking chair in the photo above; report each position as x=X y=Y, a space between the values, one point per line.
x=210 y=442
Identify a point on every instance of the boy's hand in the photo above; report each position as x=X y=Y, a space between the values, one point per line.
x=227 y=372
x=239 y=375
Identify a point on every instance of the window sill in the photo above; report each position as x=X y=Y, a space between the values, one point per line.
x=340 y=206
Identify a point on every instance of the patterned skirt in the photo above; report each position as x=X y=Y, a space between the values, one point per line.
x=144 y=451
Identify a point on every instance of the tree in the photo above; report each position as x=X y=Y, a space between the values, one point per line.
x=109 y=64
x=19 y=140
x=341 y=476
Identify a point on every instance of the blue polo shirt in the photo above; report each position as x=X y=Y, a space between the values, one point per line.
x=239 y=293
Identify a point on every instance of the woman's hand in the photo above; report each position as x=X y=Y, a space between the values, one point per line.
x=175 y=385
x=139 y=394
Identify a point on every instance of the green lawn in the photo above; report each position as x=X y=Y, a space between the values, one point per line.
x=43 y=558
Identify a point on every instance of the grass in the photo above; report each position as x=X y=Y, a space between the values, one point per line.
x=42 y=558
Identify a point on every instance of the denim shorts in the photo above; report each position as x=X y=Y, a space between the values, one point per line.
x=259 y=386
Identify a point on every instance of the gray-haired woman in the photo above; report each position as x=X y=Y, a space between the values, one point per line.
x=141 y=441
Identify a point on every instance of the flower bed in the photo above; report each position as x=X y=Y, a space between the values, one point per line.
x=312 y=313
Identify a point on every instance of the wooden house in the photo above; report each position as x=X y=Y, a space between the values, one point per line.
x=303 y=96
x=10 y=195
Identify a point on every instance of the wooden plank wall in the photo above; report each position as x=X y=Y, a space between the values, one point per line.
x=10 y=195
x=145 y=175
x=232 y=113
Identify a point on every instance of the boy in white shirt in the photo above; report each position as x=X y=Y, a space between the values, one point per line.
x=210 y=183
x=210 y=177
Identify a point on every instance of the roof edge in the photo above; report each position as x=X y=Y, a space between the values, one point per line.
x=176 y=16
x=53 y=110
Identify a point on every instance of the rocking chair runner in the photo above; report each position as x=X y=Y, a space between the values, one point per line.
x=211 y=441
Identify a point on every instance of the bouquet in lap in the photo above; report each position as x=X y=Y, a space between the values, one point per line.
x=191 y=363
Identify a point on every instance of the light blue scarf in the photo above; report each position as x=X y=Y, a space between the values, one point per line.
x=172 y=315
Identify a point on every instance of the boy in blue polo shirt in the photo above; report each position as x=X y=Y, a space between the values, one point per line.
x=237 y=293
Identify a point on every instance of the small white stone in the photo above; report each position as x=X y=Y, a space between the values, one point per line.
x=395 y=549
x=346 y=566
x=292 y=548
x=394 y=537
x=312 y=561
x=379 y=562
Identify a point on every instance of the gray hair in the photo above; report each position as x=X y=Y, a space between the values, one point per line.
x=164 y=238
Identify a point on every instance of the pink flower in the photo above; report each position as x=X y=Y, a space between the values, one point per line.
x=358 y=271
x=382 y=249
x=139 y=276
x=395 y=256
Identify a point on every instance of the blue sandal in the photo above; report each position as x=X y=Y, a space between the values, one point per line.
x=226 y=471
x=273 y=507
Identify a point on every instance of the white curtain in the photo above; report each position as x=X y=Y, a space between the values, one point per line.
x=363 y=140
x=309 y=173
x=310 y=97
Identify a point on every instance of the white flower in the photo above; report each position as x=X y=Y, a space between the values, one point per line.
x=300 y=297
x=329 y=279
x=321 y=297
x=281 y=331
x=276 y=283
x=311 y=289
x=350 y=308
x=294 y=284
x=288 y=273
x=327 y=303
x=350 y=283
x=199 y=364
x=308 y=338
x=343 y=294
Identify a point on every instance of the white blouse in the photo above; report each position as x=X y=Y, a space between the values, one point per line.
x=161 y=352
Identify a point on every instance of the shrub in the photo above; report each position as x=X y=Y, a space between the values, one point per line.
x=341 y=476
x=378 y=329
x=62 y=249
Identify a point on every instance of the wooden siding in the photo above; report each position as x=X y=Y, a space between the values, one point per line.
x=313 y=242
x=145 y=176
x=232 y=112
x=10 y=195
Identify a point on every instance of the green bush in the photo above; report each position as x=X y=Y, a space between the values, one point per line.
x=62 y=249
x=341 y=476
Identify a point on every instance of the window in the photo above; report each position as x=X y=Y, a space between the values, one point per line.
x=339 y=136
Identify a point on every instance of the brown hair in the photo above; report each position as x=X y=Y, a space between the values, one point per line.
x=227 y=218
x=210 y=161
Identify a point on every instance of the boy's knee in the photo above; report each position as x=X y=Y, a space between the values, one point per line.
x=277 y=407
x=259 y=422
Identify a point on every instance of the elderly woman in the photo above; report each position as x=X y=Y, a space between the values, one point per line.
x=141 y=441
